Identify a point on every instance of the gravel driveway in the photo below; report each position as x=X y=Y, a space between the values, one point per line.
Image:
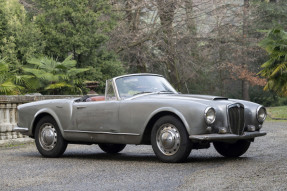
x=263 y=167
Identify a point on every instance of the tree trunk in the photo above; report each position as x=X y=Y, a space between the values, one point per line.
x=166 y=9
x=245 y=83
x=245 y=90
x=133 y=20
x=190 y=21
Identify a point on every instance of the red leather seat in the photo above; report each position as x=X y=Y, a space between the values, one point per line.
x=97 y=98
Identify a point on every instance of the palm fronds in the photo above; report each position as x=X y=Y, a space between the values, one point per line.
x=275 y=69
x=8 y=85
x=54 y=76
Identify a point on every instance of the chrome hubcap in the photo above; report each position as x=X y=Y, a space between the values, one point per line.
x=168 y=139
x=47 y=136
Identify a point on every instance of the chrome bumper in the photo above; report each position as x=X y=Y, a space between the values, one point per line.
x=22 y=130
x=219 y=137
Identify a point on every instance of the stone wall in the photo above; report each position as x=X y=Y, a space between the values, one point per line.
x=8 y=113
x=8 y=118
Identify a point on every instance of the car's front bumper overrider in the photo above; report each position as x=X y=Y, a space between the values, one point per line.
x=22 y=130
x=222 y=137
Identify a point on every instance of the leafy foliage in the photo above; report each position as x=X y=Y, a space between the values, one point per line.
x=53 y=77
x=275 y=69
x=19 y=40
x=80 y=28
x=8 y=79
x=51 y=30
x=268 y=14
x=19 y=37
x=211 y=50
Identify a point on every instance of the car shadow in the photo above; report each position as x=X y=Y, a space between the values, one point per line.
x=145 y=156
x=208 y=159
x=142 y=157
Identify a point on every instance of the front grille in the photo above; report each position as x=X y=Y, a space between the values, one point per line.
x=236 y=118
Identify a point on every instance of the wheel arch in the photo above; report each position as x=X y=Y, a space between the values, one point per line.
x=43 y=113
x=155 y=116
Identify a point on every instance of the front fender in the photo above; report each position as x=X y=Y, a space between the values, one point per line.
x=171 y=110
x=51 y=113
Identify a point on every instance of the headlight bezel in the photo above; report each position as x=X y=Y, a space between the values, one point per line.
x=260 y=119
x=207 y=112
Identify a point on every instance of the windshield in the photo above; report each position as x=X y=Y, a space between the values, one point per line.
x=134 y=85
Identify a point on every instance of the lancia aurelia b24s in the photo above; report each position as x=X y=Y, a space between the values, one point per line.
x=143 y=109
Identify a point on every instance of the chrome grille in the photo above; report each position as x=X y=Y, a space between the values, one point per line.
x=236 y=118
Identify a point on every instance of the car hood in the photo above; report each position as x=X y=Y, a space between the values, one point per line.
x=208 y=100
x=186 y=97
x=203 y=97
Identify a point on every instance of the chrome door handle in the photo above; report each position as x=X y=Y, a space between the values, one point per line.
x=81 y=107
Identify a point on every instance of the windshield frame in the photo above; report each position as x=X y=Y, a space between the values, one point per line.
x=139 y=95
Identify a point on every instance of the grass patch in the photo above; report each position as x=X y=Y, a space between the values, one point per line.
x=13 y=143
x=277 y=112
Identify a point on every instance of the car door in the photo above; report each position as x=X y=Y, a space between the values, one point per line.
x=97 y=117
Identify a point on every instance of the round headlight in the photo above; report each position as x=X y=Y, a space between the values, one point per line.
x=261 y=114
x=209 y=115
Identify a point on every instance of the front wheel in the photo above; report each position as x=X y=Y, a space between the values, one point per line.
x=112 y=148
x=170 y=140
x=232 y=149
x=48 y=138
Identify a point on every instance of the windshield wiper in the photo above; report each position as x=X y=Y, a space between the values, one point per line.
x=143 y=92
x=158 y=92
x=165 y=91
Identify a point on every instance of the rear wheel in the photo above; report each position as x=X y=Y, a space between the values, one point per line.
x=48 y=138
x=232 y=149
x=112 y=148
x=170 y=140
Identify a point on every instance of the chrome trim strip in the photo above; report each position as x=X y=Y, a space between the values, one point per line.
x=116 y=89
x=141 y=95
x=137 y=74
x=95 y=132
x=151 y=93
x=220 y=137
x=22 y=130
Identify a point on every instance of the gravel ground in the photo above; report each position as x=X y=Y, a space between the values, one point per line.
x=263 y=167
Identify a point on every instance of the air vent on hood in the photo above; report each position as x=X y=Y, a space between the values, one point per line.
x=207 y=97
x=220 y=98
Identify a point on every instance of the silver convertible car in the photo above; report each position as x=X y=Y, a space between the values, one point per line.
x=143 y=109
